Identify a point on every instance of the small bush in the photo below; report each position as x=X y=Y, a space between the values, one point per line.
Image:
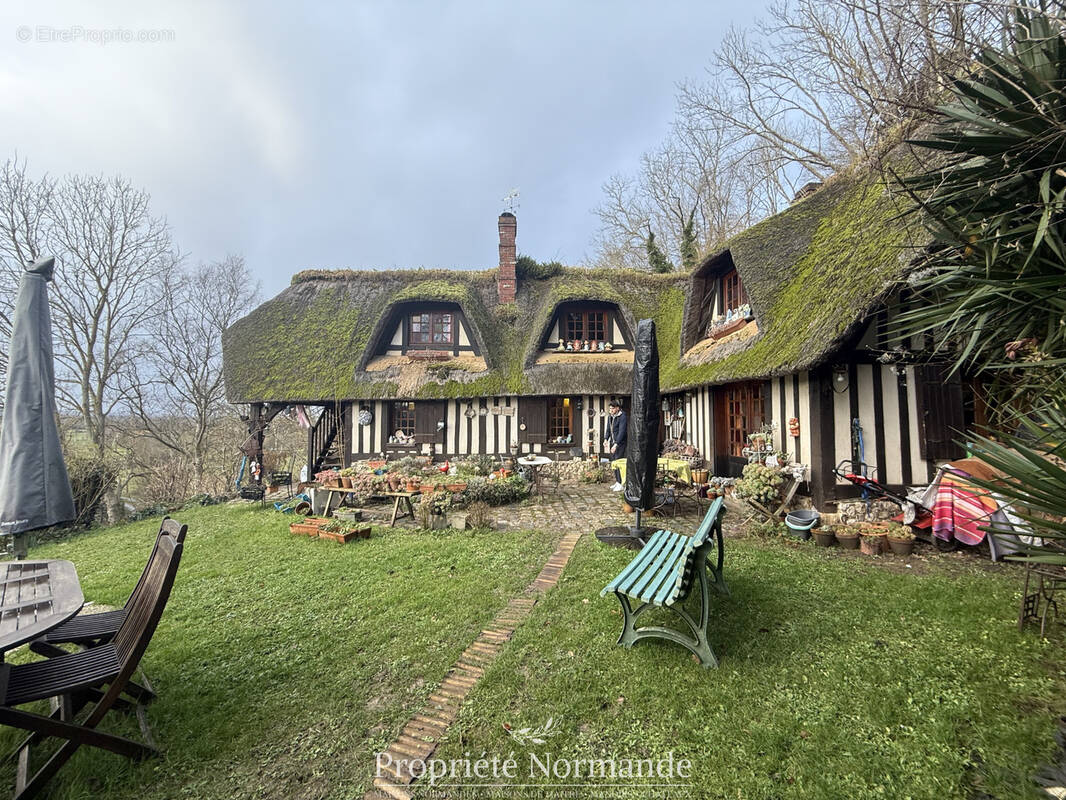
x=91 y=479
x=479 y=516
x=527 y=268
x=499 y=492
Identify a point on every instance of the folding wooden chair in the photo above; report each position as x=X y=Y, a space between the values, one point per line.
x=98 y=675
x=88 y=630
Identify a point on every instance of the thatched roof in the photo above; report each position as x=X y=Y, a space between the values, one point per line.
x=812 y=272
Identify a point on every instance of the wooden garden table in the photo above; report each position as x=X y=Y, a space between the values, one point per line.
x=401 y=497
x=334 y=491
x=36 y=596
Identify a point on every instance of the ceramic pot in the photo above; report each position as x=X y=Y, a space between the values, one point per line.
x=824 y=538
x=871 y=545
x=849 y=541
x=901 y=547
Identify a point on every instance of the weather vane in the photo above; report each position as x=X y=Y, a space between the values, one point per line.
x=511 y=200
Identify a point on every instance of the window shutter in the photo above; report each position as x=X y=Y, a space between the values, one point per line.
x=533 y=413
x=427 y=414
x=940 y=411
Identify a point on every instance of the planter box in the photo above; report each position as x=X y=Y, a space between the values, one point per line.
x=429 y=355
x=721 y=331
x=344 y=538
x=308 y=527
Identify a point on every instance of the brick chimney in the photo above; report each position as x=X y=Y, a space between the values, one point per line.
x=506 y=281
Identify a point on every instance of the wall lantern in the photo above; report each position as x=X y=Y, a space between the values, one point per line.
x=470 y=413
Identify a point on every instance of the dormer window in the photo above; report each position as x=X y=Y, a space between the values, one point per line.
x=586 y=325
x=733 y=311
x=733 y=294
x=431 y=328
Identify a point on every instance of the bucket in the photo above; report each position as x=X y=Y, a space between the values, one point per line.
x=801 y=521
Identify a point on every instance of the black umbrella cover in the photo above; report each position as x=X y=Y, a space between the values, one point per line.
x=34 y=487
x=642 y=446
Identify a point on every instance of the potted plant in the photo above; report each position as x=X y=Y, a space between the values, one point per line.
x=871 y=544
x=848 y=537
x=901 y=540
x=346 y=477
x=824 y=537
x=878 y=530
x=413 y=483
x=432 y=510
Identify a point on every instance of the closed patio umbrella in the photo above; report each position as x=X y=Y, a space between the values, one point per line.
x=34 y=486
x=642 y=445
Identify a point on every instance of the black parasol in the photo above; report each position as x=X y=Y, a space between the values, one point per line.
x=642 y=446
x=34 y=486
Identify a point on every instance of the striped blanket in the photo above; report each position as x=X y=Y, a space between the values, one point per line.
x=960 y=509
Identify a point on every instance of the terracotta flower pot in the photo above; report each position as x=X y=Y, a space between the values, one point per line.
x=346 y=482
x=901 y=547
x=871 y=545
x=627 y=508
x=413 y=486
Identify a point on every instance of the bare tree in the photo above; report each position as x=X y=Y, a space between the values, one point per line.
x=795 y=98
x=818 y=81
x=25 y=231
x=115 y=258
x=177 y=393
x=697 y=185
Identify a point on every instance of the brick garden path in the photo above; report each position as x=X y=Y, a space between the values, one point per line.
x=574 y=510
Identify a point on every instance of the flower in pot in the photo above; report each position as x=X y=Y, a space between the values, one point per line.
x=824 y=537
x=848 y=537
x=901 y=540
x=413 y=483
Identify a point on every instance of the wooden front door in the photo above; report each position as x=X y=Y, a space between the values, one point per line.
x=739 y=409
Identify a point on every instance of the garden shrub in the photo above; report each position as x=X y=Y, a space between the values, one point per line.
x=499 y=492
x=91 y=478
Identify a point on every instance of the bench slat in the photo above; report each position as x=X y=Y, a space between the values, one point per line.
x=654 y=543
x=704 y=530
x=665 y=574
x=647 y=565
x=638 y=587
x=670 y=588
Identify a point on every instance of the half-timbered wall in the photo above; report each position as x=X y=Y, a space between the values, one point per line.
x=491 y=433
x=884 y=399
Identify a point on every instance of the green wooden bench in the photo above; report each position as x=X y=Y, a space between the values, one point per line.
x=663 y=573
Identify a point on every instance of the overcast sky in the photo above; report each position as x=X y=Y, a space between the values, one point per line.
x=379 y=134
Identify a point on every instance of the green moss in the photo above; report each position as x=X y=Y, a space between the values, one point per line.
x=811 y=272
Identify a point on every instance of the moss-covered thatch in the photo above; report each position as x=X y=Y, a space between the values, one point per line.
x=812 y=273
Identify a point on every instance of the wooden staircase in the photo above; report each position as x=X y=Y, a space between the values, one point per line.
x=324 y=446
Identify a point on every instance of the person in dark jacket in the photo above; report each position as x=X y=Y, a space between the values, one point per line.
x=615 y=442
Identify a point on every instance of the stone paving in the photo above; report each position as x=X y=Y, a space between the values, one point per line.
x=583 y=507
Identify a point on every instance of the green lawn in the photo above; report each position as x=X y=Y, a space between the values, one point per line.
x=284 y=664
x=839 y=679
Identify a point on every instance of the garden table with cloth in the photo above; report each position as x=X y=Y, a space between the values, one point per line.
x=678 y=466
x=36 y=596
